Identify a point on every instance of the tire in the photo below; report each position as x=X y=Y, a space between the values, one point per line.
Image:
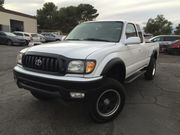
x=151 y=70
x=9 y=43
x=108 y=102
x=27 y=42
x=42 y=96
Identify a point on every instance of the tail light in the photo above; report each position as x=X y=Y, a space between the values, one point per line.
x=176 y=45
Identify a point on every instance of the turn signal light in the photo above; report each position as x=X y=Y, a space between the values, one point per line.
x=90 y=65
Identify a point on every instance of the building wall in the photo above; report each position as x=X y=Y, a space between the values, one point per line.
x=30 y=24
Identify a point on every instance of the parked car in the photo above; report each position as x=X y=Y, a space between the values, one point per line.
x=11 y=39
x=42 y=38
x=50 y=37
x=165 y=40
x=174 y=48
x=36 y=40
x=91 y=65
x=58 y=37
x=147 y=37
x=23 y=35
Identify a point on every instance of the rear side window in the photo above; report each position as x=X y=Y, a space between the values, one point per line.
x=169 y=38
x=177 y=38
x=131 y=31
x=26 y=35
x=157 y=39
x=140 y=33
x=34 y=35
x=19 y=34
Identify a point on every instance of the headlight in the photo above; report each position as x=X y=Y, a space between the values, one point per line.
x=19 y=58
x=78 y=66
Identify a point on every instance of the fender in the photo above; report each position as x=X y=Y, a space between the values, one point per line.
x=154 y=54
x=114 y=62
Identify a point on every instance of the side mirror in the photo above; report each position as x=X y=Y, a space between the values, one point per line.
x=133 y=40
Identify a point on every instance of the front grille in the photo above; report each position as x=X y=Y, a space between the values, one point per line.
x=42 y=63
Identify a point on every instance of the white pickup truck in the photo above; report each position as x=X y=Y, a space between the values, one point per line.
x=91 y=65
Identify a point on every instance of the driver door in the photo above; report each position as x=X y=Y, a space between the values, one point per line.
x=132 y=51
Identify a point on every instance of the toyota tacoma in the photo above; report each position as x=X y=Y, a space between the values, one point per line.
x=91 y=65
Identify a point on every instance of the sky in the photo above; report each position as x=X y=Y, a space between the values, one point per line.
x=132 y=10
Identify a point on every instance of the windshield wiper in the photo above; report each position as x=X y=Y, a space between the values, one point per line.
x=96 y=39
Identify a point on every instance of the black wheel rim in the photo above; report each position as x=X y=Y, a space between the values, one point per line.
x=108 y=103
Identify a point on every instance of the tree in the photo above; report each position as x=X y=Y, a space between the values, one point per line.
x=177 y=31
x=64 y=19
x=158 y=26
x=87 y=12
x=1 y=3
x=69 y=18
x=47 y=16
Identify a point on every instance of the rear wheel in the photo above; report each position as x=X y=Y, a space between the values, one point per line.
x=108 y=103
x=41 y=96
x=27 y=42
x=151 y=70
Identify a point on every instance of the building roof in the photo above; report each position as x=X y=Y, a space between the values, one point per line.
x=16 y=13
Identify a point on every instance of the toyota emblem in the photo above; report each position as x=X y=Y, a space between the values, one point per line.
x=38 y=62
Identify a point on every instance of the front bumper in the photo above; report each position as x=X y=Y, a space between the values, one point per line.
x=60 y=86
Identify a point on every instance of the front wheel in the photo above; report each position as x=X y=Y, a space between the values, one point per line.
x=108 y=102
x=151 y=70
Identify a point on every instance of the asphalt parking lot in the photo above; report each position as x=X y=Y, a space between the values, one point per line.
x=152 y=107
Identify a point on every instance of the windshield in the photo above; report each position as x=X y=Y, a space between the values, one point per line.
x=10 y=34
x=97 y=31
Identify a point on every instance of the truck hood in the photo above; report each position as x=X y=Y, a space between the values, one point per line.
x=72 y=49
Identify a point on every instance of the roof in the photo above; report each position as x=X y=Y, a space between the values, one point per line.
x=20 y=32
x=15 y=13
x=113 y=20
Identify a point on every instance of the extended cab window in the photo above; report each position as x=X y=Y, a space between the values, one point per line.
x=131 y=30
x=140 y=33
